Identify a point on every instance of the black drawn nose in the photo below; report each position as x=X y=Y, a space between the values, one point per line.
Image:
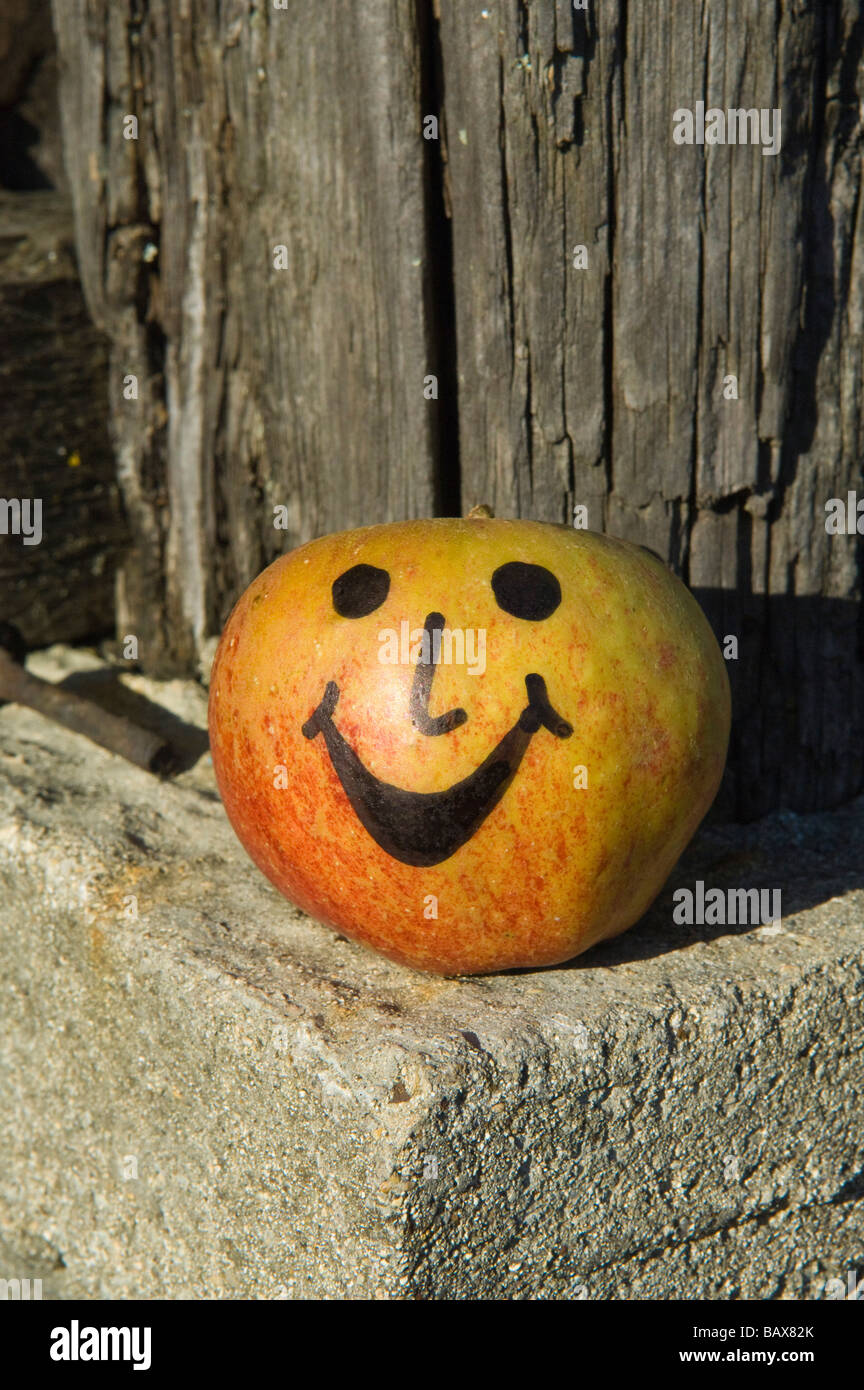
x=421 y=688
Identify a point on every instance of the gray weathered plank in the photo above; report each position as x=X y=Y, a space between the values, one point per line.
x=258 y=387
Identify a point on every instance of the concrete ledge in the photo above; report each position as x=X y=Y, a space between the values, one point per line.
x=218 y=1098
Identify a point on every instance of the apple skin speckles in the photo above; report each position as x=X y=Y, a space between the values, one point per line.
x=466 y=822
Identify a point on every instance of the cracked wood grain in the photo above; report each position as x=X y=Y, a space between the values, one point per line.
x=604 y=386
x=258 y=387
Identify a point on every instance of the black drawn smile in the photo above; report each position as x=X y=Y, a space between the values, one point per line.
x=423 y=828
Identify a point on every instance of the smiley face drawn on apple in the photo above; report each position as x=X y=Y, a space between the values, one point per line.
x=424 y=828
x=379 y=808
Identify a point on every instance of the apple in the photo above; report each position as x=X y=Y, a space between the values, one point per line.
x=471 y=744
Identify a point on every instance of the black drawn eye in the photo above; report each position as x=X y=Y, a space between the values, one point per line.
x=360 y=590
x=526 y=591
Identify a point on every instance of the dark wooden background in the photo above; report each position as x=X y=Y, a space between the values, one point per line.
x=304 y=387
x=54 y=435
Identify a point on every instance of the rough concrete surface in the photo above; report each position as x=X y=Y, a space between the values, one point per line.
x=205 y=1094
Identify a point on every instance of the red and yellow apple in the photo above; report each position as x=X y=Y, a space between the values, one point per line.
x=471 y=744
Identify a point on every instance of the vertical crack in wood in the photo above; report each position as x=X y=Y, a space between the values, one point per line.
x=439 y=279
x=822 y=285
x=506 y=219
x=691 y=513
x=568 y=500
x=691 y=509
x=617 y=75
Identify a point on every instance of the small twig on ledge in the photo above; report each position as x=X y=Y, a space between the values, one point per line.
x=114 y=732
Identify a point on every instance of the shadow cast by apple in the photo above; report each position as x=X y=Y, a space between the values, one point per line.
x=797 y=682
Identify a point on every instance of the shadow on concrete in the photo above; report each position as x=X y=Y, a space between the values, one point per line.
x=105 y=688
x=810 y=859
x=797 y=738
